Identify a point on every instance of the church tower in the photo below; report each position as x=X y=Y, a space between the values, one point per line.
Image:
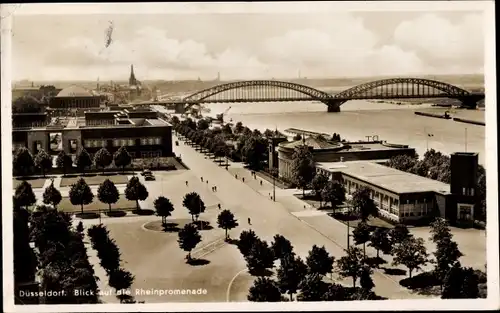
x=132 y=81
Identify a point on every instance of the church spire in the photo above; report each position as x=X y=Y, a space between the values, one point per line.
x=132 y=81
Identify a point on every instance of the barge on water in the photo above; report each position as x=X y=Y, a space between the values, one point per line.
x=445 y=116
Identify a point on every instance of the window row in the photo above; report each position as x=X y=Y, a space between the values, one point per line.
x=127 y=142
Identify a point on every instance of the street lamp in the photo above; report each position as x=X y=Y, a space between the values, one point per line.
x=349 y=202
x=427 y=136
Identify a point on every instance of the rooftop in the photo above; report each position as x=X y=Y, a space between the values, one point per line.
x=74 y=91
x=386 y=177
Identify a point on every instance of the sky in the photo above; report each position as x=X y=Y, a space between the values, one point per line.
x=239 y=45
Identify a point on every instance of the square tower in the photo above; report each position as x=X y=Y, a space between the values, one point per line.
x=463 y=166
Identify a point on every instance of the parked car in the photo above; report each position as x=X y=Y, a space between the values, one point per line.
x=149 y=177
x=146 y=172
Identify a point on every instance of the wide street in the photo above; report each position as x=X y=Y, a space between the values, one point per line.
x=157 y=262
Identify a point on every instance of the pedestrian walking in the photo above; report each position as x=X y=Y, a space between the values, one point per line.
x=236 y=176
x=202 y=179
x=261 y=182
x=249 y=221
x=186 y=182
x=243 y=179
x=218 y=205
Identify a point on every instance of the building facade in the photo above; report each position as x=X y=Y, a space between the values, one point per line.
x=407 y=198
x=75 y=97
x=329 y=151
x=141 y=132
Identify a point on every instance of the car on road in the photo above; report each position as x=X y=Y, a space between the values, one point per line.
x=146 y=172
x=149 y=177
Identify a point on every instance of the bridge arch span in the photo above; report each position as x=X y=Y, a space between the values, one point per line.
x=201 y=95
x=360 y=91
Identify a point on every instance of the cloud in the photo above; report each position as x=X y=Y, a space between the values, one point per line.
x=340 y=46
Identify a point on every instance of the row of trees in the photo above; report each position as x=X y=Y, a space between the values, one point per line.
x=63 y=262
x=25 y=164
x=109 y=254
x=251 y=146
x=302 y=278
x=81 y=194
x=435 y=165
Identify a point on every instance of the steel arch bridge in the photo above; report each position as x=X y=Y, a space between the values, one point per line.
x=278 y=91
x=261 y=91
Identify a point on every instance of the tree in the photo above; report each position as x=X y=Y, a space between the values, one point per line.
x=136 y=191
x=290 y=274
x=238 y=128
x=260 y=257
x=25 y=261
x=164 y=208
x=312 y=288
x=226 y=221
x=121 y=279
x=446 y=254
x=335 y=292
x=352 y=264
x=318 y=183
x=303 y=167
x=333 y=193
x=366 y=280
x=192 y=201
x=319 y=261
x=79 y=227
x=122 y=158
x=440 y=230
x=281 y=246
x=51 y=195
x=460 y=283
x=24 y=195
x=43 y=161
x=103 y=158
x=108 y=193
x=80 y=193
x=364 y=204
x=83 y=160
x=189 y=238
x=254 y=151
x=379 y=240
x=202 y=124
x=246 y=241
x=264 y=290
x=64 y=161
x=399 y=234
x=23 y=163
x=361 y=235
x=411 y=253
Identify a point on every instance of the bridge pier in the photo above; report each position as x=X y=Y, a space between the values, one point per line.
x=333 y=107
x=180 y=108
x=471 y=102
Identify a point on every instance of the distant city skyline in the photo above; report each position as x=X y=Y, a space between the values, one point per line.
x=247 y=46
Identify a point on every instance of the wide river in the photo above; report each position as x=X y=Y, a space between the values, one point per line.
x=358 y=119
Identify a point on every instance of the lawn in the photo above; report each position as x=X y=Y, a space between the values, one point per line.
x=93 y=179
x=122 y=204
x=35 y=183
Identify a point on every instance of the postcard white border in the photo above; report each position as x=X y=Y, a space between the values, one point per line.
x=492 y=302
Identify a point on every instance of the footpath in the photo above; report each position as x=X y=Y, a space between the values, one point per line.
x=288 y=216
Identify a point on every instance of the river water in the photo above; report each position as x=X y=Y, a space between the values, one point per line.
x=359 y=118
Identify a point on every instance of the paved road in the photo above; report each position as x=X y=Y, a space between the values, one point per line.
x=270 y=218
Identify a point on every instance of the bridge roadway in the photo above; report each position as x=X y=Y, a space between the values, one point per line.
x=269 y=218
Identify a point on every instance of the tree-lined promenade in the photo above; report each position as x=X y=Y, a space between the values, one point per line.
x=280 y=269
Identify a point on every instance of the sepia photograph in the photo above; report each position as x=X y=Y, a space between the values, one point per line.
x=249 y=155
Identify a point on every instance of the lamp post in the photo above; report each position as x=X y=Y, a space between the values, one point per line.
x=349 y=202
x=465 y=139
x=427 y=136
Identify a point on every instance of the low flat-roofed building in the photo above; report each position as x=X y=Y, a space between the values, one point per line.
x=324 y=150
x=143 y=137
x=400 y=196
